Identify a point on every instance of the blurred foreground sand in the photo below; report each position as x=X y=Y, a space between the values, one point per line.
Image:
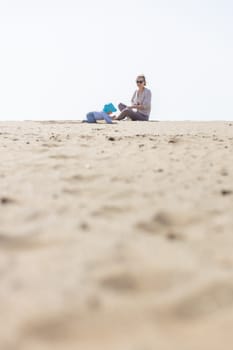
x=116 y=237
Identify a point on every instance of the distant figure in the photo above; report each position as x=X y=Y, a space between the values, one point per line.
x=108 y=109
x=141 y=103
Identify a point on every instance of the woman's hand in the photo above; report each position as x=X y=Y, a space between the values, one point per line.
x=138 y=106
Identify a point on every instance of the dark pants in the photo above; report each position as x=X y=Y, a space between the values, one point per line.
x=127 y=112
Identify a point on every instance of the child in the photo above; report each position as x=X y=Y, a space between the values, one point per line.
x=108 y=109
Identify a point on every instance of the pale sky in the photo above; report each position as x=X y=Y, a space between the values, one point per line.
x=60 y=59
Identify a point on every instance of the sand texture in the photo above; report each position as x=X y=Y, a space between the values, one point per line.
x=116 y=237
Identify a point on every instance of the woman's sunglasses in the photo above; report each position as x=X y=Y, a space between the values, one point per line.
x=139 y=81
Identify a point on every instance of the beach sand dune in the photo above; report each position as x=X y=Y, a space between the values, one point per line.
x=116 y=236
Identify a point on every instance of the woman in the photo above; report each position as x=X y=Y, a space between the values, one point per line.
x=141 y=103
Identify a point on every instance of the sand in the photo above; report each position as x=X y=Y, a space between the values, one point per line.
x=116 y=237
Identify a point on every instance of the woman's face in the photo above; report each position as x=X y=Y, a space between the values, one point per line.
x=140 y=82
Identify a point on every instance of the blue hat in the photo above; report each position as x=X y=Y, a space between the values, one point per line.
x=109 y=108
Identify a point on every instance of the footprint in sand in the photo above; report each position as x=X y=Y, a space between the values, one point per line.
x=123 y=179
x=212 y=297
x=107 y=210
x=14 y=243
x=50 y=328
x=72 y=191
x=169 y=225
x=144 y=281
x=55 y=138
x=7 y=200
x=50 y=145
x=226 y=192
x=174 y=139
x=81 y=177
x=19 y=243
x=121 y=282
x=111 y=138
x=127 y=277
x=62 y=156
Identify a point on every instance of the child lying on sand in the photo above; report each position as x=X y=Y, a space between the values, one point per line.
x=108 y=109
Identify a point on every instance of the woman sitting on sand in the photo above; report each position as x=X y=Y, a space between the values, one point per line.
x=141 y=103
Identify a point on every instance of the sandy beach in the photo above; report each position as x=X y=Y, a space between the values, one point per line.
x=116 y=237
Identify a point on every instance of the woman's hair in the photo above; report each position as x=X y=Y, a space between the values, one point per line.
x=141 y=76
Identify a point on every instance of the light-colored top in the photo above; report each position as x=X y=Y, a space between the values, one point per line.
x=143 y=98
x=103 y=116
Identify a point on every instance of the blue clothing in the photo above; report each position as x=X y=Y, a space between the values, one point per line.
x=109 y=108
x=92 y=117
